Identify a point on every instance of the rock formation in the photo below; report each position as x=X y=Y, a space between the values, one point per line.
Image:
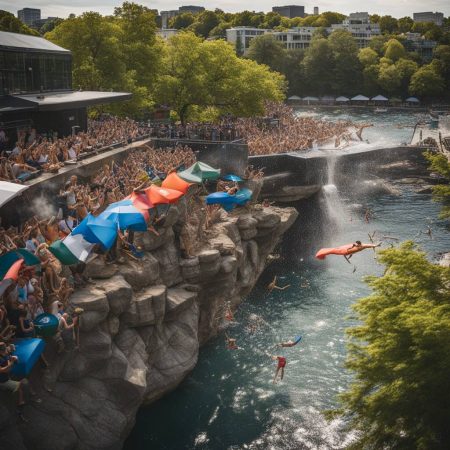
x=143 y=323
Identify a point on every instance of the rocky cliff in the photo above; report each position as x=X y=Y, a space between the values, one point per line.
x=143 y=324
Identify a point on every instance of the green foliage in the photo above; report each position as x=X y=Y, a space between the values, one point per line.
x=182 y=21
x=441 y=193
x=208 y=74
x=368 y=57
x=9 y=22
x=265 y=49
x=388 y=24
x=427 y=82
x=50 y=25
x=405 y=24
x=400 y=356
x=394 y=50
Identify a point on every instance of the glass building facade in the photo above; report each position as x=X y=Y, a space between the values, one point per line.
x=31 y=71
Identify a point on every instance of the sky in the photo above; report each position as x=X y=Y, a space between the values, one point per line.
x=396 y=8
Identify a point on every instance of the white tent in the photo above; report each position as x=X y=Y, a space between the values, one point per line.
x=342 y=99
x=380 y=98
x=412 y=100
x=294 y=98
x=10 y=190
x=360 y=98
x=310 y=99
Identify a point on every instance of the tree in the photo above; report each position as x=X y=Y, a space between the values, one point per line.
x=368 y=57
x=347 y=68
x=8 y=22
x=318 y=66
x=400 y=356
x=394 y=50
x=406 y=69
x=441 y=192
x=427 y=83
x=389 y=78
x=182 y=21
x=405 y=24
x=388 y=24
x=205 y=22
x=208 y=74
x=265 y=49
x=377 y=43
x=442 y=63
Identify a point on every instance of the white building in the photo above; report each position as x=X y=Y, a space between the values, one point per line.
x=435 y=17
x=358 y=24
x=296 y=38
x=167 y=33
x=166 y=16
x=242 y=36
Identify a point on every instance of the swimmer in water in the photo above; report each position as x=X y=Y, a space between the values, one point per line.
x=290 y=343
x=231 y=343
x=273 y=285
x=280 y=367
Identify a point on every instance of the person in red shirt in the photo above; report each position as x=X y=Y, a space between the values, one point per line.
x=280 y=366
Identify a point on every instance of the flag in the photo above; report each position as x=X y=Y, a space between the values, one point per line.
x=72 y=250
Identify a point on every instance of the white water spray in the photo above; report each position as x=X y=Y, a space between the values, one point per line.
x=334 y=207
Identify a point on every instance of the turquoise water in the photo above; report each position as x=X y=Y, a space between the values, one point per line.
x=229 y=401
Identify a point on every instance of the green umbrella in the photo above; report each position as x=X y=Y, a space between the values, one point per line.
x=200 y=172
x=8 y=259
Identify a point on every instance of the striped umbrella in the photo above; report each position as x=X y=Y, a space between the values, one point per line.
x=125 y=215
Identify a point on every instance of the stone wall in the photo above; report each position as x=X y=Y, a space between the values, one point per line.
x=143 y=324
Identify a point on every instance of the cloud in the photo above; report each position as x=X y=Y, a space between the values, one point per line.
x=398 y=8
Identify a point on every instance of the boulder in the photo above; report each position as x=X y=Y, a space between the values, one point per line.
x=267 y=219
x=172 y=216
x=95 y=305
x=190 y=268
x=223 y=244
x=178 y=300
x=96 y=345
x=169 y=263
x=228 y=264
x=147 y=308
x=97 y=269
x=248 y=233
x=149 y=241
x=140 y=274
x=119 y=293
x=232 y=231
x=246 y=221
x=208 y=256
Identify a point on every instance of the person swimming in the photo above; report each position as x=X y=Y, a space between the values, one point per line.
x=290 y=343
x=273 y=285
x=281 y=364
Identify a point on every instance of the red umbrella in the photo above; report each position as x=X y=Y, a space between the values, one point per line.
x=140 y=202
x=11 y=275
x=173 y=181
x=160 y=196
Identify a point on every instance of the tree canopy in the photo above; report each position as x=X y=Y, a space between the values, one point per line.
x=9 y=22
x=400 y=356
x=208 y=74
x=440 y=164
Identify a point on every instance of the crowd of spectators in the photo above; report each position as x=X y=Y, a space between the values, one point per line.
x=33 y=153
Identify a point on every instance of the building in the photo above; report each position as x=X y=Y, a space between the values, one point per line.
x=435 y=17
x=316 y=10
x=167 y=33
x=296 y=38
x=36 y=87
x=29 y=15
x=290 y=11
x=241 y=37
x=190 y=9
x=39 y=23
x=358 y=24
x=167 y=15
x=415 y=42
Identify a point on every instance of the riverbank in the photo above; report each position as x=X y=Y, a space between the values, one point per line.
x=142 y=328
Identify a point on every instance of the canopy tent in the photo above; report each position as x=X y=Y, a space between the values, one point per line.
x=294 y=98
x=199 y=172
x=162 y=196
x=342 y=99
x=380 y=98
x=174 y=181
x=125 y=215
x=360 y=98
x=8 y=191
x=412 y=100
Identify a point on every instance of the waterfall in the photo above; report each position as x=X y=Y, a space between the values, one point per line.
x=333 y=204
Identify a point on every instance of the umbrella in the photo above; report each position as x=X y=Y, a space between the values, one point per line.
x=380 y=98
x=243 y=196
x=140 y=201
x=173 y=181
x=311 y=99
x=159 y=195
x=10 y=190
x=223 y=199
x=97 y=231
x=8 y=259
x=412 y=100
x=231 y=177
x=125 y=215
x=11 y=275
x=294 y=97
x=342 y=99
x=199 y=172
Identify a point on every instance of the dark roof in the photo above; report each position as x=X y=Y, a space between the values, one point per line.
x=57 y=101
x=12 y=41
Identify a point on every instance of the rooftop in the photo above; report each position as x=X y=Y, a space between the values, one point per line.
x=12 y=41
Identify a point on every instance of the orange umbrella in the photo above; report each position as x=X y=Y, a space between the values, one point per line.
x=173 y=181
x=160 y=196
x=141 y=202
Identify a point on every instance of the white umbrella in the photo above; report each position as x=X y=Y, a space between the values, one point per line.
x=360 y=98
x=311 y=99
x=10 y=190
x=342 y=99
x=294 y=97
x=380 y=98
x=412 y=100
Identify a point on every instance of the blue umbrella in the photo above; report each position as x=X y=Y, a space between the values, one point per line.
x=97 y=231
x=231 y=177
x=243 y=196
x=223 y=199
x=125 y=215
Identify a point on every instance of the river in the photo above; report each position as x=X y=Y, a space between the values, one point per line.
x=229 y=401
